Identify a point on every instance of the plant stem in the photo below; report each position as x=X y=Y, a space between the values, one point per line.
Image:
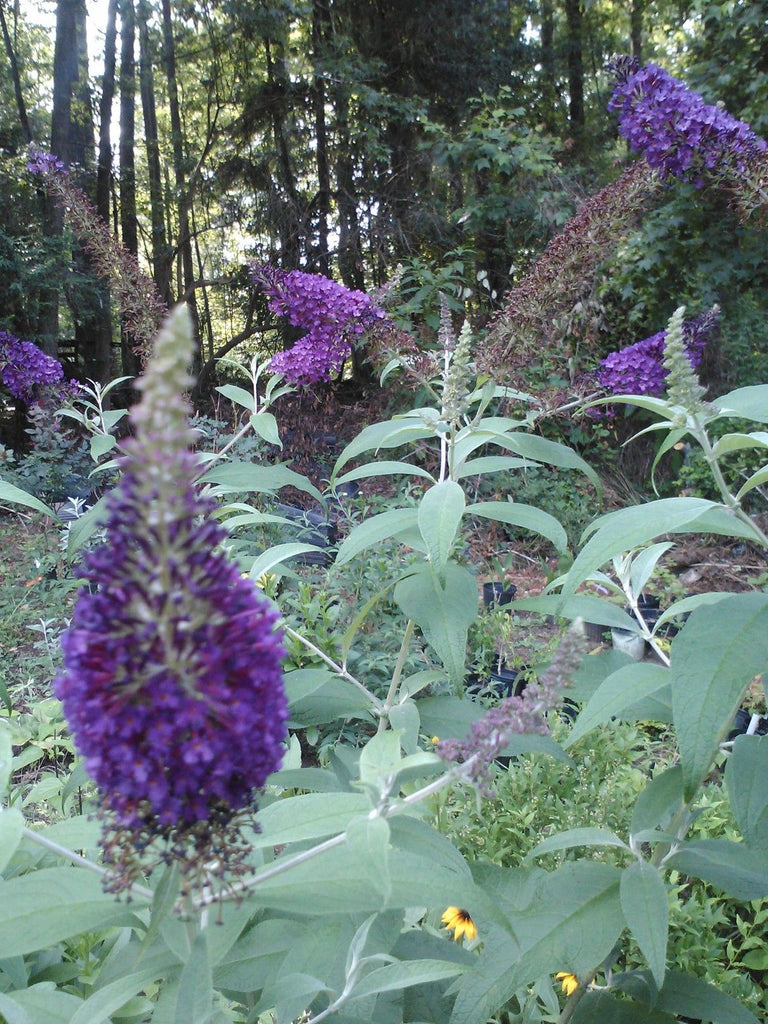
x=396 y=676
x=338 y=669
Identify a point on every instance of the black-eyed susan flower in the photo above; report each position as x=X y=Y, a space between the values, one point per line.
x=568 y=982
x=460 y=923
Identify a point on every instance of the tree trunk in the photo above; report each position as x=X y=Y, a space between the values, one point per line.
x=128 y=217
x=320 y=26
x=161 y=255
x=574 y=15
x=184 y=241
x=20 y=105
x=548 y=84
x=636 y=29
x=104 y=166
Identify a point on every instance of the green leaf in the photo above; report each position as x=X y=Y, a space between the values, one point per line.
x=259 y=477
x=645 y=906
x=373 y=531
x=442 y=612
x=526 y=517
x=255 y=958
x=16 y=496
x=686 y=996
x=292 y=994
x=439 y=517
x=619 y=691
x=310 y=816
x=265 y=425
x=732 y=867
x=383 y=468
x=659 y=802
x=388 y=434
x=195 y=1002
x=633 y=527
x=738 y=442
x=39 y=1003
x=99 y=1006
x=603 y=1007
x=278 y=554
x=368 y=843
x=448 y=717
x=644 y=564
x=584 y=606
x=6 y=758
x=718 y=652
x=750 y=403
x=746 y=773
x=577 y=837
x=488 y=464
x=52 y=904
x=11 y=829
x=238 y=396
x=101 y=444
x=401 y=975
x=756 y=480
x=316 y=696
x=568 y=920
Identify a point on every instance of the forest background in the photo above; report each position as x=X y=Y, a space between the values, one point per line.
x=445 y=140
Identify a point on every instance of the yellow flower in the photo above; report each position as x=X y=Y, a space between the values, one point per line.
x=568 y=982
x=460 y=923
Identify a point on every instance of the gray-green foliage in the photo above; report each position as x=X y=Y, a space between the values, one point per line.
x=340 y=916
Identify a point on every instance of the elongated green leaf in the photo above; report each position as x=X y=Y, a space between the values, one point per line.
x=732 y=867
x=278 y=554
x=238 y=396
x=738 y=442
x=312 y=816
x=603 y=1007
x=488 y=464
x=395 y=977
x=99 y=1006
x=374 y=530
x=756 y=480
x=38 y=1003
x=383 y=468
x=258 y=477
x=316 y=696
x=439 y=517
x=368 y=843
x=645 y=905
x=619 y=691
x=750 y=403
x=46 y=906
x=693 y=997
x=629 y=528
x=527 y=517
x=443 y=613
x=746 y=776
x=388 y=434
x=577 y=837
x=644 y=564
x=6 y=758
x=16 y=496
x=11 y=828
x=195 y=1002
x=584 y=606
x=718 y=652
x=257 y=955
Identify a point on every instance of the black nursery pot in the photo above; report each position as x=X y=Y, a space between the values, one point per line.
x=498 y=594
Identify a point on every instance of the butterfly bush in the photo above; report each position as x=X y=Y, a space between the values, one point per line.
x=172 y=678
x=639 y=369
x=332 y=316
x=677 y=132
x=23 y=366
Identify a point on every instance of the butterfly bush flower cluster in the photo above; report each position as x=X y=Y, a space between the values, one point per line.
x=677 y=132
x=172 y=678
x=639 y=369
x=332 y=316
x=24 y=366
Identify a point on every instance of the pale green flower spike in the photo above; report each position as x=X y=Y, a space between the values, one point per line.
x=682 y=383
x=458 y=378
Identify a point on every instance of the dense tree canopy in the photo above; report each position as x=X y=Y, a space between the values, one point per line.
x=339 y=137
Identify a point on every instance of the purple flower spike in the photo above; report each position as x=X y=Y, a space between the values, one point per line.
x=172 y=681
x=45 y=163
x=677 y=132
x=332 y=315
x=23 y=366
